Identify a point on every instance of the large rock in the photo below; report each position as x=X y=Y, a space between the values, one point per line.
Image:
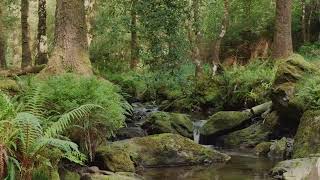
x=155 y=151
x=307 y=139
x=222 y=123
x=296 y=169
x=130 y=132
x=253 y=135
x=289 y=72
x=164 y=122
x=281 y=149
x=262 y=149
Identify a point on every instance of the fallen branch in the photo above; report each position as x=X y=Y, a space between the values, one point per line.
x=20 y=72
x=260 y=109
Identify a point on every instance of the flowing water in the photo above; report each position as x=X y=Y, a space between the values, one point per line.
x=242 y=166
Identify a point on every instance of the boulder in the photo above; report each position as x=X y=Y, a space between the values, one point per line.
x=130 y=132
x=295 y=169
x=307 y=139
x=281 y=149
x=290 y=109
x=253 y=135
x=164 y=122
x=262 y=149
x=155 y=151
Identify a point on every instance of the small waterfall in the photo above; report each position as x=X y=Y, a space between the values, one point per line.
x=196 y=130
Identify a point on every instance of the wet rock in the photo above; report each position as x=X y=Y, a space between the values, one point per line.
x=155 y=151
x=295 y=169
x=262 y=149
x=111 y=176
x=288 y=74
x=307 y=139
x=140 y=112
x=281 y=149
x=130 y=132
x=251 y=136
x=164 y=122
x=223 y=123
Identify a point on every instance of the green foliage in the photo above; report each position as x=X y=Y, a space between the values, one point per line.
x=310 y=51
x=247 y=85
x=67 y=92
x=308 y=92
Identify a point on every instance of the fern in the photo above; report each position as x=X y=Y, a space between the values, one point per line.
x=66 y=119
x=35 y=101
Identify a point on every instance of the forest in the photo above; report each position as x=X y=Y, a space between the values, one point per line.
x=159 y=89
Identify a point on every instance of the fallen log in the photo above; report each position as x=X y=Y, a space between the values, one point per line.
x=20 y=72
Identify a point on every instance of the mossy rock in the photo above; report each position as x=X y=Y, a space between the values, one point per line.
x=289 y=72
x=164 y=122
x=262 y=149
x=294 y=169
x=254 y=134
x=9 y=85
x=307 y=139
x=281 y=149
x=224 y=121
x=69 y=175
x=155 y=151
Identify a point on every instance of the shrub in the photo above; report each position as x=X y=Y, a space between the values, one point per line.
x=67 y=92
x=308 y=92
x=310 y=51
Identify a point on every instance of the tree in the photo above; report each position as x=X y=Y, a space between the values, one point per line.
x=282 y=46
x=3 y=63
x=196 y=38
x=70 y=53
x=42 y=56
x=217 y=45
x=134 y=36
x=26 y=52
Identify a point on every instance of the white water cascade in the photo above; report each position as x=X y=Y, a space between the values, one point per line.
x=196 y=129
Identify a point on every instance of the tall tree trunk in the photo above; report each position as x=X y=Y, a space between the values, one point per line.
x=90 y=6
x=26 y=52
x=282 y=37
x=70 y=53
x=303 y=21
x=42 y=56
x=196 y=38
x=134 y=36
x=3 y=63
x=217 y=45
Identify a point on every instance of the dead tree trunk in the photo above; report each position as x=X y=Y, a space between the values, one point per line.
x=217 y=45
x=70 y=53
x=282 y=37
x=26 y=52
x=134 y=36
x=42 y=56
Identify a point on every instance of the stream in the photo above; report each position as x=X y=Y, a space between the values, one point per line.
x=242 y=166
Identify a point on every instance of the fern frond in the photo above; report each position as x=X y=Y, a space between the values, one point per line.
x=66 y=119
x=6 y=107
x=29 y=128
x=35 y=101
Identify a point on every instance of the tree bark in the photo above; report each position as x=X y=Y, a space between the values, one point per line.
x=303 y=21
x=70 y=53
x=42 y=56
x=26 y=52
x=217 y=45
x=3 y=63
x=134 y=36
x=196 y=38
x=282 y=37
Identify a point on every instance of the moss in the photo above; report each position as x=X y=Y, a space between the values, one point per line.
x=116 y=158
x=163 y=122
x=159 y=150
x=224 y=120
x=262 y=149
x=307 y=139
x=69 y=175
x=9 y=85
x=250 y=136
